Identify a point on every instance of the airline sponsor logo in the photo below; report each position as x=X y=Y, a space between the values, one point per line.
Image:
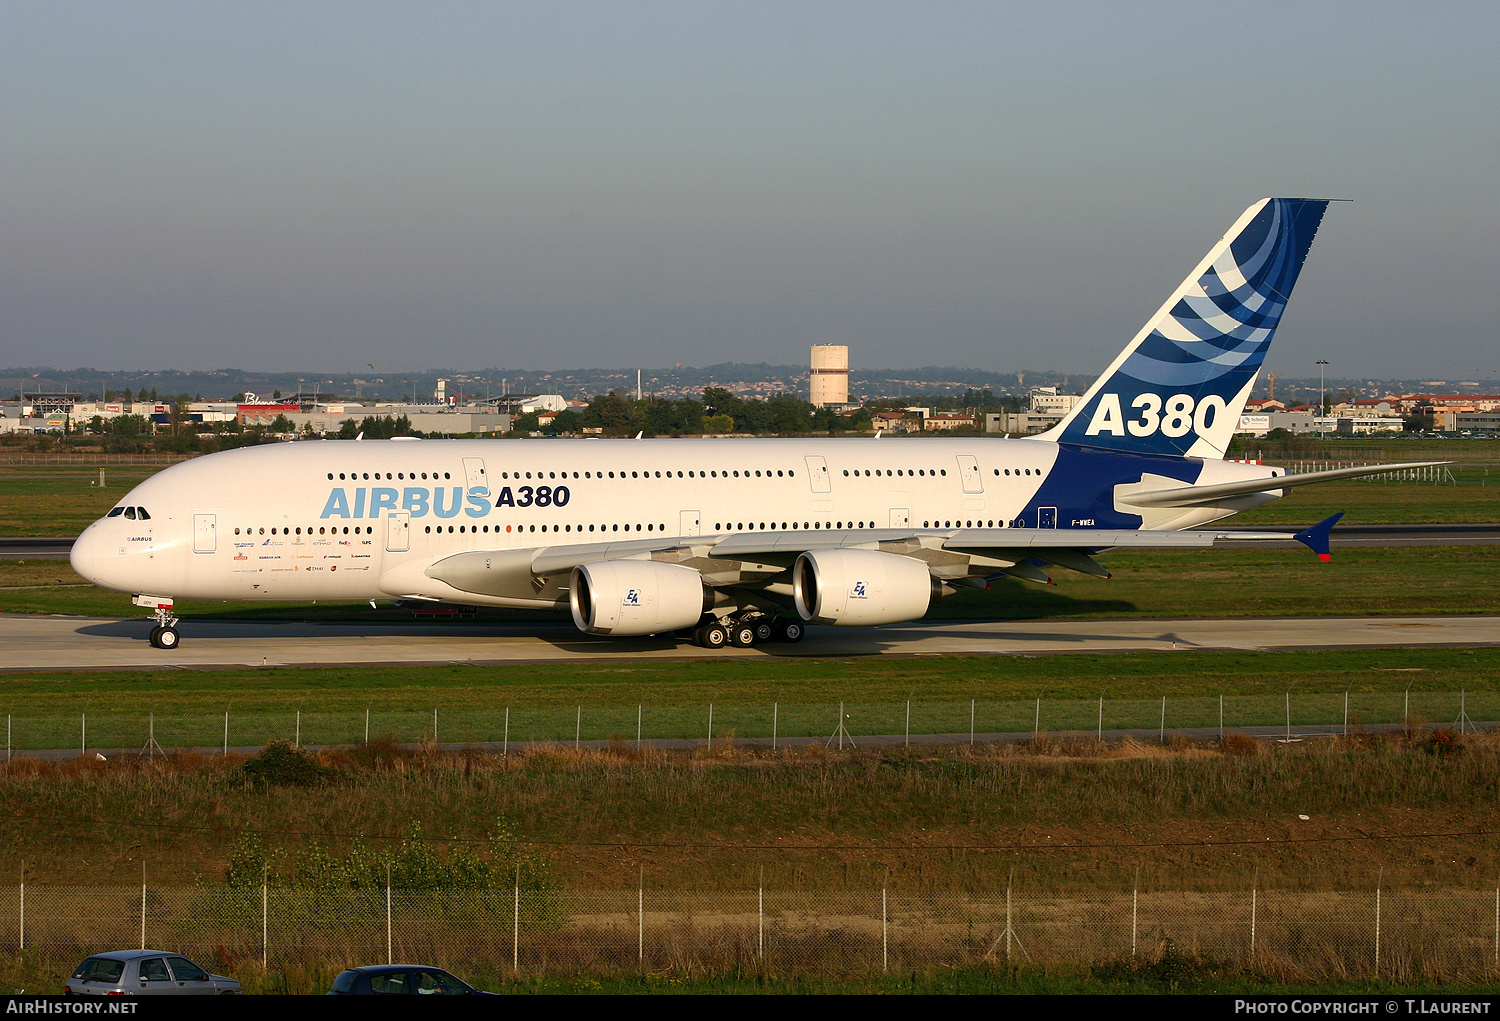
x=859 y=591
x=1176 y=416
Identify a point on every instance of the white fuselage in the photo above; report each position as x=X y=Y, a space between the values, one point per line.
x=362 y=519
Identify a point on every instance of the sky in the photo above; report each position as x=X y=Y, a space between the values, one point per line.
x=324 y=186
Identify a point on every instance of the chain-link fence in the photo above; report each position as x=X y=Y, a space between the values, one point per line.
x=1450 y=933
x=505 y=727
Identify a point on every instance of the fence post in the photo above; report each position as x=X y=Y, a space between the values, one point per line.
x=710 y=726
x=971 y=722
x=7 y=737
x=1162 y=737
x=505 y=742
x=1253 y=892
x=637 y=725
x=83 y=738
x=515 y=926
x=775 y=719
x=1497 y=921
x=265 y=942
x=640 y=917
x=578 y=728
x=1377 y=923
x=885 y=948
x=226 y=731
x=389 y=957
x=23 y=905
x=1008 y=930
x=760 y=907
x=143 y=905
x=908 y=723
x=1135 y=896
x=1221 y=716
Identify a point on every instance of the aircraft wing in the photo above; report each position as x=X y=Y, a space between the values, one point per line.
x=748 y=557
x=1189 y=496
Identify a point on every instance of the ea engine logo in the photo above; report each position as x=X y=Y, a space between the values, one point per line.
x=858 y=591
x=632 y=597
x=1175 y=417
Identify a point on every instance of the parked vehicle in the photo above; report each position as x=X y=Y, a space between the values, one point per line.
x=145 y=973
x=401 y=980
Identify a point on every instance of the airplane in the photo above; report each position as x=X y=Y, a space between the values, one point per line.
x=741 y=541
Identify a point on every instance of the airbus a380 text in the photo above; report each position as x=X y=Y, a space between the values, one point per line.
x=739 y=541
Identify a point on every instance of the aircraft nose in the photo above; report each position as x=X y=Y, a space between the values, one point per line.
x=84 y=556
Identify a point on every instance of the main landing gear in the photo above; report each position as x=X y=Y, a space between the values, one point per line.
x=744 y=631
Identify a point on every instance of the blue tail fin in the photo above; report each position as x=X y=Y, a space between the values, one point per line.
x=1181 y=385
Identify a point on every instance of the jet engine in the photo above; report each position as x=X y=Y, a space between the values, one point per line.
x=636 y=597
x=852 y=587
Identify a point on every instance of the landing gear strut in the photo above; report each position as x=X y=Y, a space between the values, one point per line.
x=748 y=630
x=165 y=634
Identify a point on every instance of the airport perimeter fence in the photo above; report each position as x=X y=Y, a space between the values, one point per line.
x=1401 y=933
x=841 y=725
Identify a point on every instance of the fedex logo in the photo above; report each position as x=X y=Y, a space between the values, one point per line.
x=1176 y=416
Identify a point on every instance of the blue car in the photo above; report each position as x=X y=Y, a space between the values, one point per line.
x=401 y=980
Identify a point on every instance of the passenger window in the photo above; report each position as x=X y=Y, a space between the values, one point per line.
x=389 y=985
x=186 y=971
x=154 y=969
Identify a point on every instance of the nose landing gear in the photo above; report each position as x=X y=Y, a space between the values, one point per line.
x=164 y=635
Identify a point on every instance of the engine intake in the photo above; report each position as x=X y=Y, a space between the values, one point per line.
x=858 y=588
x=635 y=597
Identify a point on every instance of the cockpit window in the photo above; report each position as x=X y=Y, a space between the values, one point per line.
x=115 y=512
x=140 y=512
x=130 y=513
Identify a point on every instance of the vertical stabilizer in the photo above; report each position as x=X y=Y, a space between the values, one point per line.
x=1182 y=383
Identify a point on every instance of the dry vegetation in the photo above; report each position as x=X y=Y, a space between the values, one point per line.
x=1054 y=811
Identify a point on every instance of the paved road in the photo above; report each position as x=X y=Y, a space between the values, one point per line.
x=78 y=643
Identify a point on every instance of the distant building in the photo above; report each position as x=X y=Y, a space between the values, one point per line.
x=829 y=381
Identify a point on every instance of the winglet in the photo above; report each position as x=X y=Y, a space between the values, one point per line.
x=1316 y=537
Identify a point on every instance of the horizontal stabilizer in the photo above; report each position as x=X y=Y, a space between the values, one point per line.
x=1316 y=537
x=1190 y=496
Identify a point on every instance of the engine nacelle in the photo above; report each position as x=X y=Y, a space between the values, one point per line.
x=855 y=587
x=635 y=597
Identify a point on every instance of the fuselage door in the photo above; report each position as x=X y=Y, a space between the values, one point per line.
x=1046 y=517
x=205 y=533
x=475 y=480
x=817 y=474
x=900 y=517
x=398 y=532
x=689 y=522
x=968 y=470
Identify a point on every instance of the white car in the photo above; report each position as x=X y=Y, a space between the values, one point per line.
x=145 y=973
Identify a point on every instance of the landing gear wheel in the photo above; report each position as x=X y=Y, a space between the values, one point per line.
x=167 y=638
x=789 y=630
x=742 y=636
x=156 y=637
x=712 y=635
x=764 y=631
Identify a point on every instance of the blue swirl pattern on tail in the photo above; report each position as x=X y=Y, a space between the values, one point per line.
x=1181 y=385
